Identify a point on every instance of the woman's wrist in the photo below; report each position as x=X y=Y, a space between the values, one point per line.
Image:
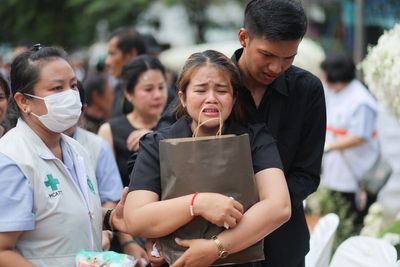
x=107 y=220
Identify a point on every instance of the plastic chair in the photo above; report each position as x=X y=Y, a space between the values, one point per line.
x=364 y=251
x=321 y=241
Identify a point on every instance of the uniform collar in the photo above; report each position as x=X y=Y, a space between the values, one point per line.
x=42 y=150
x=279 y=84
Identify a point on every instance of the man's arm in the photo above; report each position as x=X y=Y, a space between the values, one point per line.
x=303 y=177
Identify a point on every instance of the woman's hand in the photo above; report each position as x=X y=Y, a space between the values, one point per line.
x=132 y=142
x=137 y=252
x=200 y=253
x=117 y=215
x=218 y=209
x=106 y=240
x=151 y=255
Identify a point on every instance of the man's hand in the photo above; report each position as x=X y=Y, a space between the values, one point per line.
x=106 y=240
x=117 y=215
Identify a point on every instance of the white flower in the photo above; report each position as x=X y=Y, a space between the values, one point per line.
x=392 y=238
x=375 y=209
x=381 y=69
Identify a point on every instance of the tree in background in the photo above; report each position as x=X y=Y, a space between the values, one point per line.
x=70 y=23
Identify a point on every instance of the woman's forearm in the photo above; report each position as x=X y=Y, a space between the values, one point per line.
x=156 y=219
x=264 y=217
x=258 y=221
x=12 y=258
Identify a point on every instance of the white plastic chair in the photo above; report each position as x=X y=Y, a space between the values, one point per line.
x=321 y=241
x=364 y=251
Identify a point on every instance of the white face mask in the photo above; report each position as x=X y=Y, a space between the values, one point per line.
x=63 y=110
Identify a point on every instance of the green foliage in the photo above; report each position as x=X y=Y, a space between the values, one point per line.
x=324 y=201
x=70 y=23
x=394 y=229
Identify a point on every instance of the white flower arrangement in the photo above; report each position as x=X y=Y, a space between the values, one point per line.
x=381 y=69
x=373 y=221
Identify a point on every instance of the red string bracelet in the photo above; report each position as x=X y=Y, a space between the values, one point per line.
x=192 y=203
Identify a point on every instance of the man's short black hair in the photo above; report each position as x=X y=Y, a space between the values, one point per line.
x=339 y=68
x=94 y=83
x=128 y=39
x=275 y=19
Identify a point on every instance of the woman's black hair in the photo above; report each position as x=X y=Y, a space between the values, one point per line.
x=137 y=66
x=4 y=86
x=339 y=67
x=25 y=69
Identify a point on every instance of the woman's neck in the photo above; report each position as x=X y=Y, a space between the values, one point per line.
x=50 y=139
x=141 y=121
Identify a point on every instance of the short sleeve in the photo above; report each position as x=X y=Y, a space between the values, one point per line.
x=264 y=151
x=16 y=198
x=108 y=178
x=146 y=171
x=363 y=122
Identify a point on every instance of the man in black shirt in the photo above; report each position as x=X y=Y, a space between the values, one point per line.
x=291 y=102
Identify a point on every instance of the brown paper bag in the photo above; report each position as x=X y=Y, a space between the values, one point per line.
x=208 y=164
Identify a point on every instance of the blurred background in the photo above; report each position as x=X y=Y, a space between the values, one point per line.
x=82 y=26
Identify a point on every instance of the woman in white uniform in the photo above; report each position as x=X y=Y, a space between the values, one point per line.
x=49 y=201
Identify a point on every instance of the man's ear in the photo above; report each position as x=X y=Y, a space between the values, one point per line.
x=243 y=36
x=182 y=98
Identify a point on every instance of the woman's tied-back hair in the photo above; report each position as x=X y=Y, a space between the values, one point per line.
x=25 y=68
x=275 y=20
x=25 y=71
x=214 y=59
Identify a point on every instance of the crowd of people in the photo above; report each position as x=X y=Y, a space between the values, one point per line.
x=70 y=146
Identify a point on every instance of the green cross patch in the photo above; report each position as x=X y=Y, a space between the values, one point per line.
x=89 y=183
x=52 y=182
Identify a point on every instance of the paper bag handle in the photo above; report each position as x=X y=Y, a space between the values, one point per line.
x=219 y=132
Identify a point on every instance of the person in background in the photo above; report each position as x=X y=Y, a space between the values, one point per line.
x=351 y=140
x=153 y=48
x=48 y=181
x=208 y=85
x=99 y=97
x=145 y=87
x=123 y=44
x=4 y=97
